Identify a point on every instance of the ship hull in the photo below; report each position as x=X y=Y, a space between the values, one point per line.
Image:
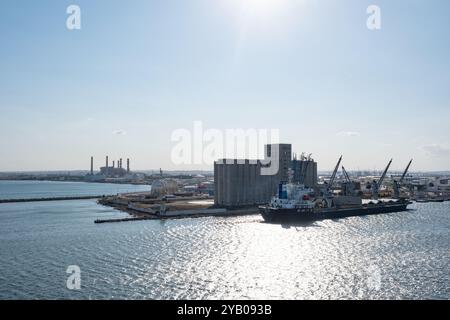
x=293 y=215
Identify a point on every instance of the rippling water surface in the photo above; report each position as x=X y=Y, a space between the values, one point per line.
x=47 y=189
x=401 y=255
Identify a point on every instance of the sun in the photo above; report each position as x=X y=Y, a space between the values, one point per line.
x=258 y=10
x=262 y=7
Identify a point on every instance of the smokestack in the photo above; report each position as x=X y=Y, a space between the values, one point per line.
x=106 y=162
x=114 y=164
x=128 y=165
x=92 y=166
x=120 y=163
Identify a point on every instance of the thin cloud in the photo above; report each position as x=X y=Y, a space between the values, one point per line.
x=85 y=122
x=437 y=150
x=120 y=132
x=348 y=134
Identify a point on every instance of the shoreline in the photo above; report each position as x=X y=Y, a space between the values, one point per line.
x=76 y=180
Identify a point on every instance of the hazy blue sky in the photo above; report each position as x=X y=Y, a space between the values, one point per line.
x=137 y=70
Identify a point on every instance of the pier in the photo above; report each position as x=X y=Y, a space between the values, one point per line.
x=50 y=199
x=159 y=210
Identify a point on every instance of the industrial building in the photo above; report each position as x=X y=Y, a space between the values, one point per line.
x=164 y=187
x=305 y=171
x=241 y=183
x=114 y=171
x=284 y=158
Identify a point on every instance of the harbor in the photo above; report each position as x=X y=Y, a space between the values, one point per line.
x=296 y=191
x=236 y=187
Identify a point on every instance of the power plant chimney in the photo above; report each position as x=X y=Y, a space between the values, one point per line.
x=114 y=164
x=107 y=166
x=128 y=165
x=120 y=163
x=92 y=166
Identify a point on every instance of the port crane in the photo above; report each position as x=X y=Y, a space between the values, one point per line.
x=347 y=178
x=397 y=184
x=348 y=187
x=377 y=184
x=333 y=176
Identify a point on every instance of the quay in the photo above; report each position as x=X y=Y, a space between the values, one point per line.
x=140 y=208
x=50 y=199
x=184 y=214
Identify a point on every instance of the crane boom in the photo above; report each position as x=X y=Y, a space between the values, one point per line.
x=333 y=176
x=377 y=184
x=346 y=174
x=406 y=171
x=384 y=174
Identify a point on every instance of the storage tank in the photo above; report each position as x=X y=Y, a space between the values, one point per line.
x=164 y=187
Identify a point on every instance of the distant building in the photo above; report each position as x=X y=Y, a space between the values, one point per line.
x=285 y=157
x=164 y=187
x=112 y=172
x=432 y=184
x=109 y=172
x=305 y=172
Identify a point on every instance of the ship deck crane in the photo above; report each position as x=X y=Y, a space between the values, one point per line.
x=406 y=171
x=378 y=184
x=347 y=178
x=398 y=184
x=333 y=176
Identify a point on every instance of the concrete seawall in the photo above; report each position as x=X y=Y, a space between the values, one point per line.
x=49 y=199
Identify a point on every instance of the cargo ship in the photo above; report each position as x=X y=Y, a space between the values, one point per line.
x=297 y=203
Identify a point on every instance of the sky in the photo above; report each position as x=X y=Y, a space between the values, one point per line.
x=139 y=70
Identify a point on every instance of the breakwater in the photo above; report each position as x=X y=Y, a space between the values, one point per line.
x=49 y=199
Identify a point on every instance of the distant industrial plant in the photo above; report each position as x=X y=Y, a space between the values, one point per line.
x=112 y=173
